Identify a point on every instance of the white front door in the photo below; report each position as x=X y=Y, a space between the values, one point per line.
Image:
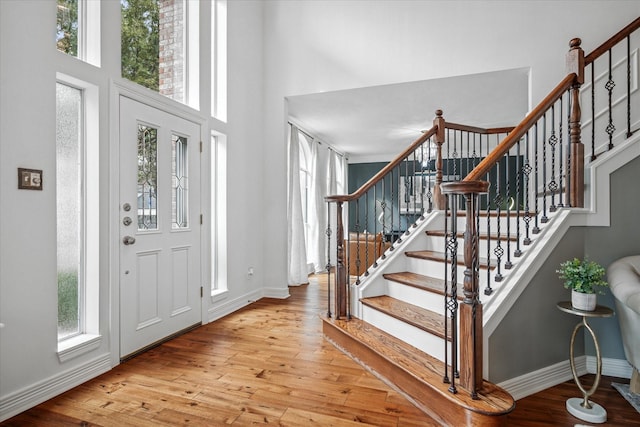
x=159 y=216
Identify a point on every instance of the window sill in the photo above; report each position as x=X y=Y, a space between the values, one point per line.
x=76 y=346
x=219 y=295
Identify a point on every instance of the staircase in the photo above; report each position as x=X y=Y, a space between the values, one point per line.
x=417 y=316
x=399 y=331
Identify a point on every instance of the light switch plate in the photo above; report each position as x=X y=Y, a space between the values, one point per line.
x=29 y=179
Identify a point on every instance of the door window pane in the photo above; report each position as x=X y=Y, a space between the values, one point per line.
x=179 y=182
x=68 y=206
x=147 y=177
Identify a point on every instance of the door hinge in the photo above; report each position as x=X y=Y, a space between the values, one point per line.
x=201 y=291
x=201 y=219
x=201 y=146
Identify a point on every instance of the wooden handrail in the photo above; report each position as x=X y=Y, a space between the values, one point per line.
x=604 y=47
x=384 y=171
x=518 y=132
x=474 y=129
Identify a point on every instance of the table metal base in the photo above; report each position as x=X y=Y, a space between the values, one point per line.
x=595 y=414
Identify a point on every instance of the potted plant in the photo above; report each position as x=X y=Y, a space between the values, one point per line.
x=585 y=279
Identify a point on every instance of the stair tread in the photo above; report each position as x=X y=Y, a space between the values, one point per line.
x=429 y=371
x=420 y=281
x=440 y=256
x=481 y=235
x=419 y=317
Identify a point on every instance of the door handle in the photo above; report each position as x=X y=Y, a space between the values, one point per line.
x=128 y=240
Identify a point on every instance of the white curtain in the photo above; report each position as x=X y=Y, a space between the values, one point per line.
x=317 y=238
x=332 y=189
x=297 y=254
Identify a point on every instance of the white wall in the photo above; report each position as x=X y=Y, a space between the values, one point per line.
x=316 y=46
x=30 y=370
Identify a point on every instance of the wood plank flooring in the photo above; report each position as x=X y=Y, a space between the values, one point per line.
x=268 y=364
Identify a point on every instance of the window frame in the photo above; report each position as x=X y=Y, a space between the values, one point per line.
x=88 y=33
x=88 y=336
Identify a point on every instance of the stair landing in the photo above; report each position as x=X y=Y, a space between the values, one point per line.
x=418 y=376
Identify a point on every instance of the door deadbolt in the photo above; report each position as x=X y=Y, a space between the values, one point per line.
x=128 y=240
x=126 y=220
x=126 y=207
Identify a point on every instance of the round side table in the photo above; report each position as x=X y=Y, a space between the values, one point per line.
x=583 y=408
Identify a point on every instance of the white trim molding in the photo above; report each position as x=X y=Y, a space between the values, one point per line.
x=542 y=379
x=533 y=382
x=37 y=393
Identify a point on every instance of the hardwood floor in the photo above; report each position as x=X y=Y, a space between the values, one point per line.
x=268 y=364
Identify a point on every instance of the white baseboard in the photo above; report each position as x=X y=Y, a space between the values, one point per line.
x=544 y=378
x=227 y=307
x=279 y=293
x=553 y=375
x=20 y=401
x=610 y=367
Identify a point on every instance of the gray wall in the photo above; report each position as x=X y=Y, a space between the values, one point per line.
x=535 y=334
x=607 y=244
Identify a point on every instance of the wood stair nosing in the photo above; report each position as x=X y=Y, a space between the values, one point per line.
x=419 y=281
x=482 y=235
x=421 y=318
x=440 y=257
x=417 y=376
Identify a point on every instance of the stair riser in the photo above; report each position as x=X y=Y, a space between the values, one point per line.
x=430 y=397
x=438 y=244
x=437 y=268
x=412 y=295
x=416 y=337
x=492 y=224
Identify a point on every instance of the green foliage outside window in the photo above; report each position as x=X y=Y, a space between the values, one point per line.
x=67 y=27
x=67 y=303
x=140 y=42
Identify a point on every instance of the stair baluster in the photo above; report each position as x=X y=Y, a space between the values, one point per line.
x=452 y=305
x=553 y=140
x=544 y=218
x=328 y=266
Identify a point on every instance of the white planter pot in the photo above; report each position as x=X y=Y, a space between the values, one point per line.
x=584 y=302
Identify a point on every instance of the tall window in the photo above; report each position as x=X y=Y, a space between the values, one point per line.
x=305 y=181
x=218 y=220
x=157 y=37
x=69 y=208
x=78 y=29
x=77 y=209
x=219 y=60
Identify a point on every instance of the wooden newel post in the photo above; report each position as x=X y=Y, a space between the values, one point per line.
x=340 y=278
x=471 y=336
x=575 y=64
x=438 y=198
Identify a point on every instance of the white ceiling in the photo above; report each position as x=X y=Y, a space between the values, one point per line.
x=377 y=123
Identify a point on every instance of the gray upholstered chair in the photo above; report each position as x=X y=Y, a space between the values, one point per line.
x=624 y=280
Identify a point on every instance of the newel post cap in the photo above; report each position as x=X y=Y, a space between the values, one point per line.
x=465 y=187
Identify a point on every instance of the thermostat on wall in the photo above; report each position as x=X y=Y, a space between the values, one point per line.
x=29 y=179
